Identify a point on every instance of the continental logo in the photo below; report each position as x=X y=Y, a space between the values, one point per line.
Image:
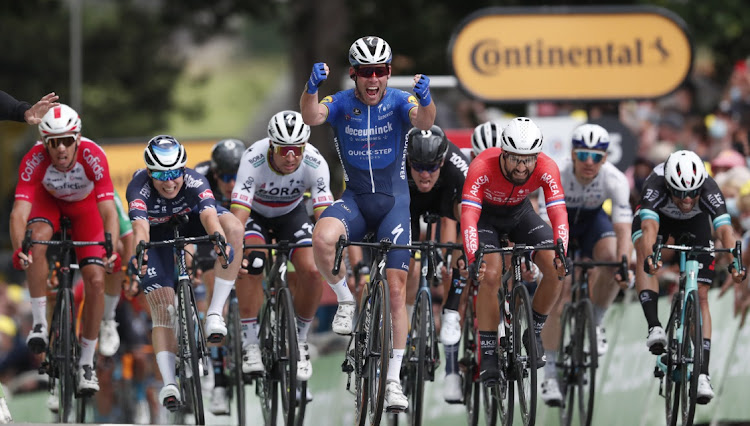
x=502 y=54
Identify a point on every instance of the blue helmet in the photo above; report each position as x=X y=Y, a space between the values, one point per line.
x=164 y=153
x=590 y=136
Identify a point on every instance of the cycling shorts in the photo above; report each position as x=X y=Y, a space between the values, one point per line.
x=592 y=226
x=385 y=215
x=521 y=224
x=295 y=227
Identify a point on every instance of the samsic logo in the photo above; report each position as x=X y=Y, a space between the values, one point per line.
x=585 y=53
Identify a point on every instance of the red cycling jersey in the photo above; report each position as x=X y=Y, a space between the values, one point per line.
x=486 y=183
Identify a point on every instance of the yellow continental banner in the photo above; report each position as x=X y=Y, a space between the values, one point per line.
x=587 y=53
x=125 y=158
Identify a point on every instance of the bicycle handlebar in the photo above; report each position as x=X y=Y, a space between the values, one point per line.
x=217 y=239
x=519 y=250
x=27 y=243
x=622 y=265
x=383 y=245
x=655 y=257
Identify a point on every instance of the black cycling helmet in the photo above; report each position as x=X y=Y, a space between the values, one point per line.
x=427 y=146
x=226 y=155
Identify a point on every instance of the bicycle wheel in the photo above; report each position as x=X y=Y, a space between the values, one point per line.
x=566 y=370
x=233 y=344
x=286 y=354
x=504 y=388
x=191 y=354
x=692 y=351
x=670 y=359
x=378 y=349
x=65 y=357
x=416 y=358
x=468 y=367
x=586 y=360
x=265 y=384
x=524 y=358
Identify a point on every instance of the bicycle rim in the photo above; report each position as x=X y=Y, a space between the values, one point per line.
x=672 y=353
x=361 y=362
x=379 y=350
x=468 y=364
x=586 y=361
x=490 y=397
x=417 y=360
x=692 y=349
x=234 y=345
x=524 y=359
x=504 y=389
x=286 y=354
x=67 y=372
x=265 y=385
x=566 y=367
x=193 y=356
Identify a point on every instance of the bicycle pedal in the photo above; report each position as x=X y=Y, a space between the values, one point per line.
x=85 y=393
x=171 y=403
x=658 y=373
x=395 y=409
x=215 y=338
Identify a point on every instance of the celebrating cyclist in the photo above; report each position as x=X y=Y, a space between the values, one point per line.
x=65 y=174
x=370 y=123
x=167 y=188
x=589 y=179
x=679 y=197
x=495 y=202
x=274 y=174
x=221 y=172
x=436 y=172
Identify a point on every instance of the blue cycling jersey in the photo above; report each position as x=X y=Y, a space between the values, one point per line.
x=371 y=140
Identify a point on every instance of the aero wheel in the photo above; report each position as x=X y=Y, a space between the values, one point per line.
x=587 y=361
x=287 y=353
x=417 y=360
x=504 y=389
x=566 y=362
x=524 y=355
x=266 y=384
x=193 y=354
x=65 y=358
x=692 y=351
x=468 y=364
x=378 y=350
x=361 y=359
x=671 y=365
x=234 y=345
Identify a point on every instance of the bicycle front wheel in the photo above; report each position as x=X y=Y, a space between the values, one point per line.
x=286 y=353
x=266 y=384
x=233 y=343
x=524 y=356
x=567 y=373
x=586 y=360
x=378 y=349
x=692 y=351
x=670 y=364
x=190 y=354
x=415 y=358
x=65 y=358
x=468 y=366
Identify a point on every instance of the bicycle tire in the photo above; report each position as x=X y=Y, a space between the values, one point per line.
x=193 y=357
x=566 y=365
x=468 y=366
x=67 y=376
x=265 y=385
x=670 y=357
x=301 y=403
x=286 y=354
x=586 y=361
x=234 y=345
x=692 y=351
x=504 y=394
x=524 y=359
x=378 y=351
x=416 y=361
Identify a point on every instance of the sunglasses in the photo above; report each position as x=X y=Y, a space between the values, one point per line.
x=693 y=193
x=167 y=175
x=226 y=178
x=284 y=150
x=425 y=167
x=367 y=72
x=595 y=156
x=515 y=160
x=55 y=141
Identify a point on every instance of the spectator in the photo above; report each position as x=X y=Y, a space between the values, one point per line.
x=12 y=109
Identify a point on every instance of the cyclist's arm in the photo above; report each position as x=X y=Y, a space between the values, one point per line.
x=210 y=221
x=141 y=232
x=111 y=219
x=649 y=229
x=423 y=117
x=313 y=113
x=624 y=244
x=726 y=235
x=19 y=216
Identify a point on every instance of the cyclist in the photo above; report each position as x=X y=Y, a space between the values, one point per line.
x=221 y=173
x=274 y=174
x=495 y=202
x=370 y=123
x=65 y=174
x=164 y=189
x=589 y=179
x=436 y=174
x=680 y=197
x=486 y=135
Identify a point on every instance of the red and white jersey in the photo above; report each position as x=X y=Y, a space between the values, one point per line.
x=90 y=173
x=486 y=184
x=271 y=194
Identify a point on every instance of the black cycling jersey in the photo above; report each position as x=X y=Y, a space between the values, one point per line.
x=204 y=168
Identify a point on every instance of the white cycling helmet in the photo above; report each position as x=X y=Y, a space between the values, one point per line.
x=486 y=135
x=60 y=120
x=522 y=136
x=370 y=50
x=684 y=171
x=590 y=136
x=164 y=153
x=288 y=128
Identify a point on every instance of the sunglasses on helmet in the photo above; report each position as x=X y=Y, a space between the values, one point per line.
x=367 y=72
x=693 y=193
x=55 y=141
x=284 y=150
x=167 y=175
x=424 y=167
x=584 y=155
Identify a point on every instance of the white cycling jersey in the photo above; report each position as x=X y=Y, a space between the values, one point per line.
x=610 y=183
x=260 y=188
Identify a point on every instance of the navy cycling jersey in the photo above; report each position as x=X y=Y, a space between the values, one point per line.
x=446 y=193
x=204 y=168
x=371 y=140
x=145 y=203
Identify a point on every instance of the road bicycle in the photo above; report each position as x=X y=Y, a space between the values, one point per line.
x=192 y=360
x=577 y=358
x=233 y=358
x=278 y=341
x=517 y=350
x=63 y=351
x=370 y=344
x=679 y=367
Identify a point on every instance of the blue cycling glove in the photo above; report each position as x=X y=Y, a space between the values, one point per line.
x=230 y=253
x=317 y=77
x=422 y=90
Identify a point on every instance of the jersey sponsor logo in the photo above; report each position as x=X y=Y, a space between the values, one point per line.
x=716 y=200
x=327 y=99
x=312 y=162
x=397 y=231
x=137 y=205
x=357 y=111
x=243 y=197
x=562 y=232
x=30 y=165
x=412 y=100
x=383 y=107
x=377 y=130
x=279 y=192
x=258 y=160
x=192 y=182
x=471 y=238
x=385 y=151
x=651 y=194
x=145 y=191
x=459 y=162
x=206 y=194
x=321 y=185
x=386 y=115
x=93 y=161
x=551 y=183
x=481 y=180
